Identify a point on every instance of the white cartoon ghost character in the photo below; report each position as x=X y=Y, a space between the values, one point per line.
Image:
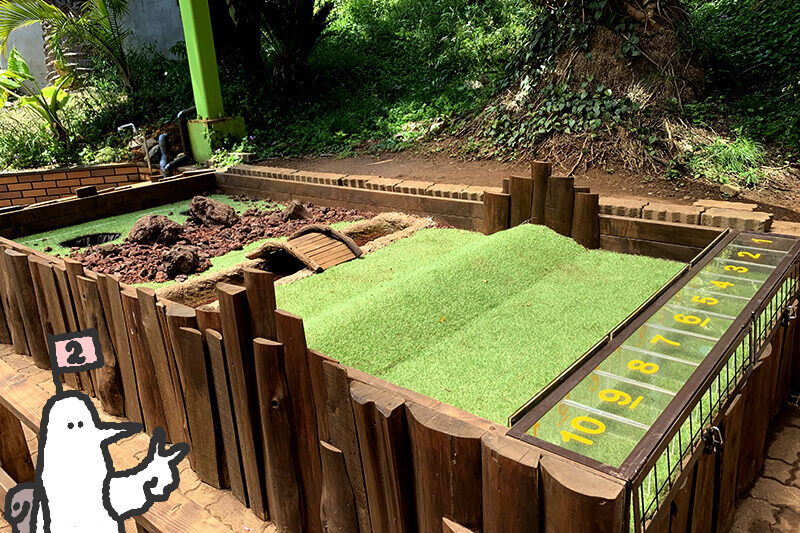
x=76 y=486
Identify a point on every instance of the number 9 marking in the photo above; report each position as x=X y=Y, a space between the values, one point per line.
x=732 y=268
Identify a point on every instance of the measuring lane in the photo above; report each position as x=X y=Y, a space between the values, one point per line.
x=607 y=413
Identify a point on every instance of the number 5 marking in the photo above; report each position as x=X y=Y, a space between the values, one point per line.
x=707 y=300
x=662 y=339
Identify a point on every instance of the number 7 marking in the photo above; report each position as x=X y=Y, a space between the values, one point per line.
x=660 y=338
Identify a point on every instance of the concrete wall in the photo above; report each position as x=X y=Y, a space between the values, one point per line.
x=31 y=45
x=153 y=22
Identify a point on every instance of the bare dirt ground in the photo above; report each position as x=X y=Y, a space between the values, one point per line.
x=780 y=194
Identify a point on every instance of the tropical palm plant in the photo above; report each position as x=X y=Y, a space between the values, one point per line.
x=18 y=83
x=291 y=28
x=97 y=26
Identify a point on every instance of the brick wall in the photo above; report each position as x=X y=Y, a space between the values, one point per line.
x=24 y=188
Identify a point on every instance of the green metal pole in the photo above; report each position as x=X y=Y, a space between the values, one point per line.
x=202 y=58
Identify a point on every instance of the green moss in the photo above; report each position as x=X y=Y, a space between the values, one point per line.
x=482 y=323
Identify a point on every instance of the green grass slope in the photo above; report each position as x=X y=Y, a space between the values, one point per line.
x=482 y=323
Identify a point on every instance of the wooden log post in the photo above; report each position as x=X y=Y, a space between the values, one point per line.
x=15 y=458
x=558 y=215
x=732 y=427
x=75 y=269
x=495 y=212
x=5 y=332
x=260 y=287
x=521 y=196
x=208 y=318
x=149 y=395
x=227 y=415
x=586 y=220
x=337 y=504
x=107 y=379
x=578 y=499
x=13 y=314
x=343 y=435
x=22 y=286
x=115 y=317
x=506 y=185
x=540 y=173
x=203 y=421
x=446 y=454
x=510 y=479
x=50 y=306
x=448 y=526
x=283 y=481
x=384 y=443
x=298 y=376
x=320 y=393
x=752 y=447
x=703 y=493
x=241 y=371
x=681 y=506
x=155 y=339
x=179 y=316
x=785 y=371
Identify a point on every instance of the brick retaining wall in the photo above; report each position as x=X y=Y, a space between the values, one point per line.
x=29 y=187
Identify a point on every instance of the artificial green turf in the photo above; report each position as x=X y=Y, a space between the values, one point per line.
x=122 y=224
x=482 y=323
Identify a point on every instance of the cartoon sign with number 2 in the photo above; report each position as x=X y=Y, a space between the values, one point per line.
x=76 y=486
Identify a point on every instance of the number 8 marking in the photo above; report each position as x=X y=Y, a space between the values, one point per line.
x=641 y=366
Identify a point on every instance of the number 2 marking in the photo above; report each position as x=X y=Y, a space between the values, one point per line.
x=748 y=254
x=662 y=339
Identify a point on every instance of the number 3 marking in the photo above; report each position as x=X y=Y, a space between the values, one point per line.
x=738 y=269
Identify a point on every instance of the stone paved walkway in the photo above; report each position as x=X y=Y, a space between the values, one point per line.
x=773 y=504
x=220 y=503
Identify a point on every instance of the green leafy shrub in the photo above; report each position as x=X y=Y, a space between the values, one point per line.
x=736 y=162
x=751 y=49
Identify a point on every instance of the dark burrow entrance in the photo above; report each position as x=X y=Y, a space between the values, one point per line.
x=90 y=240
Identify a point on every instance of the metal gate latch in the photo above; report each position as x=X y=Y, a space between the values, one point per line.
x=713 y=439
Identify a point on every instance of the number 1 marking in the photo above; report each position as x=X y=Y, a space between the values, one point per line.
x=636 y=402
x=762 y=240
x=567 y=436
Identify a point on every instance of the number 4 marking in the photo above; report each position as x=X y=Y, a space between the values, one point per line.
x=722 y=284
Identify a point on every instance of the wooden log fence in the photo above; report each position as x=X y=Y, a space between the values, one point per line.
x=317 y=446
